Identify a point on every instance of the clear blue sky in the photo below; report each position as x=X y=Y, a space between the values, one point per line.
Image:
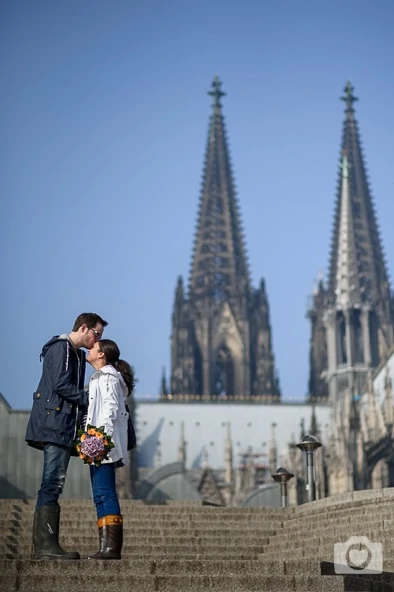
x=104 y=118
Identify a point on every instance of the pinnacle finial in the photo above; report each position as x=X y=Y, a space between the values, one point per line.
x=349 y=97
x=216 y=91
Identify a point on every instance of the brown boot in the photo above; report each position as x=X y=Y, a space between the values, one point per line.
x=111 y=538
x=100 y=525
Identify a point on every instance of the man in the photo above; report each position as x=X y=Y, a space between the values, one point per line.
x=59 y=399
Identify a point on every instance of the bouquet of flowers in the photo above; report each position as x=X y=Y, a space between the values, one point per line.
x=93 y=445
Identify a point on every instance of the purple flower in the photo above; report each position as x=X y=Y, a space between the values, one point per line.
x=92 y=446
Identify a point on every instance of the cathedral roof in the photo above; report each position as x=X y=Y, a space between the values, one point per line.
x=206 y=425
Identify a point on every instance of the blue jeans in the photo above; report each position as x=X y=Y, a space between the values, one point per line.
x=56 y=459
x=103 y=483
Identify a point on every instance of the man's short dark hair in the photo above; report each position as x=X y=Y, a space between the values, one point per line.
x=90 y=319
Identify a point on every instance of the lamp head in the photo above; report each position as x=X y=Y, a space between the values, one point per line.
x=309 y=443
x=282 y=475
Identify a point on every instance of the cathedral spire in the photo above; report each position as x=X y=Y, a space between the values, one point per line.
x=358 y=308
x=219 y=264
x=357 y=265
x=221 y=341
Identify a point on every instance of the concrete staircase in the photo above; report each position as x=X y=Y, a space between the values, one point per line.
x=189 y=547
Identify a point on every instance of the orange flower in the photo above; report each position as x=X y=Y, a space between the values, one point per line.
x=105 y=442
x=83 y=437
x=92 y=432
x=99 y=435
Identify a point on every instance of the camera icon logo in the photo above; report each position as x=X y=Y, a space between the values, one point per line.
x=358 y=555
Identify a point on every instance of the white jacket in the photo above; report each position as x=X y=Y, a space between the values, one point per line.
x=107 y=393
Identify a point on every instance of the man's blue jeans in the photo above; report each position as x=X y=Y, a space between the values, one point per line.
x=56 y=459
x=103 y=483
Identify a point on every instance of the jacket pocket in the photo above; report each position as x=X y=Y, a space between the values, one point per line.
x=52 y=403
x=58 y=405
x=60 y=422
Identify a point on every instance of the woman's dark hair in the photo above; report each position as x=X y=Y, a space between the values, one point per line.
x=112 y=356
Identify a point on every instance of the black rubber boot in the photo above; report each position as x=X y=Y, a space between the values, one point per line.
x=46 y=535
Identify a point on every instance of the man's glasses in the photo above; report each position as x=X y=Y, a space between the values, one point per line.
x=97 y=334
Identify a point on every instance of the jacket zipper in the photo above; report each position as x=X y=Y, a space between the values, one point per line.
x=77 y=407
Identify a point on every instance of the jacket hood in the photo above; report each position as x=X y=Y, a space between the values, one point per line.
x=55 y=339
x=108 y=369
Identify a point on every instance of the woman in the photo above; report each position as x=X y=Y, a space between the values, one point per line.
x=108 y=388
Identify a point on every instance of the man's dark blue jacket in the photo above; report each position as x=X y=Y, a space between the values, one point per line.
x=59 y=395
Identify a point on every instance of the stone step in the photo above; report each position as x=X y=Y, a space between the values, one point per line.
x=157 y=567
x=383 y=521
x=282 y=531
x=139 y=533
x=129 y=505
x=82 y=539
x=175 y=531
x=157 y=555
x=25 y=527
x=279 y=535
x=342 y=530
x=159 y=527
x=328 y=538
x=305 y=544
x=340 y=514
x=68 y=514
x=323 y=552
x=270 y=544
x=273 y=542
x=295 y=526
x=369 y=523
x=355 y=499
x=191 y=549
x=191 y=583
x=309 y=509
x=356 y=520
x=219 y=513
x=348 y=514
x=175 y=566
x=312 y=517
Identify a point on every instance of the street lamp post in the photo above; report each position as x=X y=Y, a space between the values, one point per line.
x=282 y=476
x=308 y=445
